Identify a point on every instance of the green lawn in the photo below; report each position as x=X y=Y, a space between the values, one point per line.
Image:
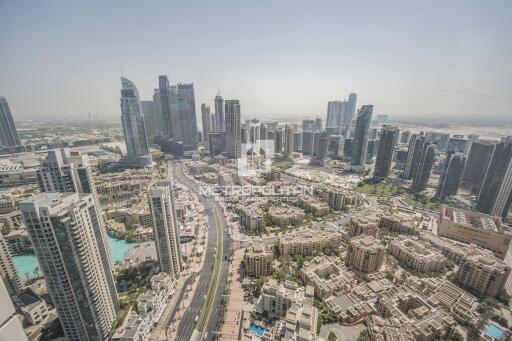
x=379 y=189
x=423 y=202
x=283 y=164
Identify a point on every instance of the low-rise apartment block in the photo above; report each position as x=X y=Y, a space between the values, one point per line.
x=312 y=205
x=285 y=215
x=365 y=254
x=309 y=242
x=367 y=223
x=258 y=260
x=276 y=298
x=328 y=275
x=416 y=255
x=474 y=228
x=403 y=220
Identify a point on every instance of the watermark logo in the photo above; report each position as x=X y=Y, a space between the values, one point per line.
x=256 y=158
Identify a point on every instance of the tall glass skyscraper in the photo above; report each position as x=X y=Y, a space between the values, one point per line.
x=219 y=113
x=495 y=195
x=61 y=227
x=426 y=162
x=233 y=129
x=360 y=143
x=134 y=127
x=8 y=133
x=388 y=138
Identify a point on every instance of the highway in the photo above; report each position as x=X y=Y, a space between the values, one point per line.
x=212 y=280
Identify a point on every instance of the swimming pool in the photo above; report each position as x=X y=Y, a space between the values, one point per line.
x=257 y=329
x=494 y=331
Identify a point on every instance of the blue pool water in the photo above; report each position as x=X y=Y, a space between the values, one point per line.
x=494 y=331
x=257 y=329
x=27 y=264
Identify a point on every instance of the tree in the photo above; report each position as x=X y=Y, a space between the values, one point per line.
x=332 y=337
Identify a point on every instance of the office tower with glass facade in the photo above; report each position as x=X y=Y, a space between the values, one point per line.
x=451 y=175
x=206 y=123
x=288 y=140
x=219 y=113
x=233 y=129
x=8 y=133
x=360 y=143
x=350 y=110
x=150 y=120
x=165 y=227
x=413 y=155
x=164 y=93
x=388 y=138
x=477 y=162
x=62 y=229
x=495 y=196
x=428 y=155
x=134 y=127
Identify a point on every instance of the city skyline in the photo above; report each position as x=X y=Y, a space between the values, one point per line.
x=435 y=77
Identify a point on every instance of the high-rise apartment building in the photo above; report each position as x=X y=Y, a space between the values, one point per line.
x=413 y=155
x=184 y=114
x=7 y=270
x=360 y=143
x=278 y=141
x=451 y=175
x=405 y=136
x=219 y=113
x=206 y=122
x=476 y=165
x=388 y=138
x=495 y=196
x=8 y=133
x=428 y=155
x=65 y=171
x=165 y=227
x=134 y=127
x=335 y=113
x=350 y=109
x=62 y=228
x=10 y=323
x=288 y=140
x=233 y=129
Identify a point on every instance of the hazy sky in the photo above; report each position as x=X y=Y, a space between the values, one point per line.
x=408 y=58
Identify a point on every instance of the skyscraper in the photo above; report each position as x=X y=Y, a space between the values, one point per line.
x=335 y=113
x=452 y=173
x=288 y=140
x=7 y=270
x=164 y=91
x=157 y=109
x=413 y=155
x=478 y=159
x=350 y=110
x=219 y=113
x=278 y=141
x=233 y=129
x=428 y=154
x=63 y=171
x=405 y=136
x=184 y=114
x=61 y=228
x=495 y=196
x=10 y=323
x=360 y=143
x=150 y=119
x=134 y=128
x=388 y=138
x=8 y=133
x=263 y=131
x=165 y=227
x=206 y=122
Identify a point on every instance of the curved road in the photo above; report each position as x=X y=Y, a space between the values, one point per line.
x=206 y=302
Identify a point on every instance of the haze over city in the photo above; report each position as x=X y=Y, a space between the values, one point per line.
x=422 y=60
